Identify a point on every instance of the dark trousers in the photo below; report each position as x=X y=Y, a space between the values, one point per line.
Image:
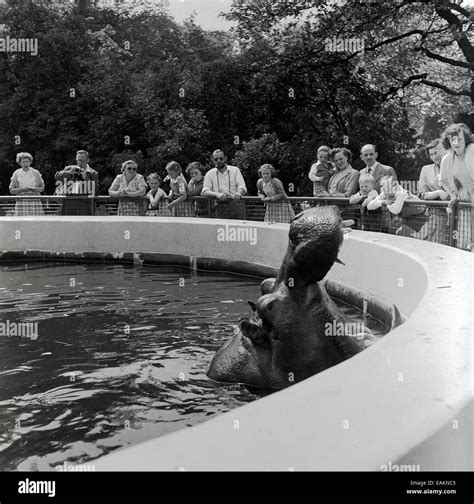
x=72 y=206
x=373 y=220
x=233 y=209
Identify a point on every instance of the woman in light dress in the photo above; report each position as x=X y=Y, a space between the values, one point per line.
x=457 y=178
x=27 y=181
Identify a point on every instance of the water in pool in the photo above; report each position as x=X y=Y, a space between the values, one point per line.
x=118 y=356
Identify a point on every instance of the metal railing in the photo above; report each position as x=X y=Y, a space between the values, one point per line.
x=428 y=220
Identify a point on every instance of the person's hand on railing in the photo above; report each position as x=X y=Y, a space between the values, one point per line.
x=443 y=195
x=222 y=196
x=170 y=206
x=236 y=196
x=20 y=190
x=451 y=204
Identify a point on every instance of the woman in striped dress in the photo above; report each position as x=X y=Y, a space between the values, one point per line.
x=27 y=181
x=272 y=193
x=178 y=195
x=129 y=187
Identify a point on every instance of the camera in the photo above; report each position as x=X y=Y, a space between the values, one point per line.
x=76 y=171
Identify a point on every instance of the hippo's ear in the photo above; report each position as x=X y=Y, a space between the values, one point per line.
x=267 y=286
x=346 y=226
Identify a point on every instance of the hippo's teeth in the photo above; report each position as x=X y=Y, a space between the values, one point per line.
x=339 y=261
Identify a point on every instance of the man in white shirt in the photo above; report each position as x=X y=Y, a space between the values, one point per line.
x=225 y=184
x=369 y=155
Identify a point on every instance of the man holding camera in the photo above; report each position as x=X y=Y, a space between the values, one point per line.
x=77 y=181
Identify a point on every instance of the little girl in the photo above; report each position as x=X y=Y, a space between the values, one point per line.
x=195 y=185
x=271 y=192
x=178 y=195
x=157 y=199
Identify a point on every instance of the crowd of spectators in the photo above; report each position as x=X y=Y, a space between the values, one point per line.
x=375 y=188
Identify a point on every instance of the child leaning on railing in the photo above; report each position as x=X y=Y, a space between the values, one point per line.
x=371 y=219
x=393 y=198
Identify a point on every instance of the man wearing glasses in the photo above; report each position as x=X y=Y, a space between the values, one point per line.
x=226 y=184
x=80 y=181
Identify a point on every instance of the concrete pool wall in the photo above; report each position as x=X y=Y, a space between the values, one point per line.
x=405 y=402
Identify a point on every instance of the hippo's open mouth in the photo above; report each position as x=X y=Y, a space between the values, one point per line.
x=258 y=328
x=285 y=340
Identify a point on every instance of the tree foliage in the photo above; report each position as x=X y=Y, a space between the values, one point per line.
x=124 y=80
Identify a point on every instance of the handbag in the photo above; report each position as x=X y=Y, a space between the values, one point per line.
x=414 y=215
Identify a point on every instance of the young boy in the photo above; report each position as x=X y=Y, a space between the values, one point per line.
x=392 y=198
x=321 y=172
x=371 y=219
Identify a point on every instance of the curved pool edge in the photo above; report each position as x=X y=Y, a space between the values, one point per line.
x=402 y=401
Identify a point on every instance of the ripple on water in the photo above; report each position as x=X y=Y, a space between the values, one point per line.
x=120 y=358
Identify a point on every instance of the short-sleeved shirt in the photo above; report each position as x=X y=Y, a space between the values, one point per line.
x=28 y=178
x=230 y=181
x=178 y=186
x=159 y=192
x=120 y=183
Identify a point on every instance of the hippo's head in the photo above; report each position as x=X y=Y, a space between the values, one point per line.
x=285 y=340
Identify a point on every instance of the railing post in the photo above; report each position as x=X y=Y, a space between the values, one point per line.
x=452 y=217
x=210 y=207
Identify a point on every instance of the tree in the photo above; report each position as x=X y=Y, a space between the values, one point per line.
x=404 y=41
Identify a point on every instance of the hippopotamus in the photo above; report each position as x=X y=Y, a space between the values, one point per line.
x=287 y=339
